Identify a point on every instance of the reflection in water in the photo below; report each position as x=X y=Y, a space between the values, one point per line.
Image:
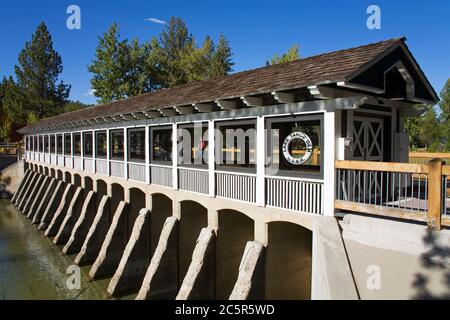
x=31 y=267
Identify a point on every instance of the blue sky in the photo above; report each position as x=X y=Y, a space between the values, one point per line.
x=256 y=29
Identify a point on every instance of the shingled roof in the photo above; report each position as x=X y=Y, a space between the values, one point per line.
x=320 y=69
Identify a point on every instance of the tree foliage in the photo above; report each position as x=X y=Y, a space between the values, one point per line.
x=36 y=90
x=430 y=130
x=444 y=105
x=124 y=68
x=291 y=55
x=37 y=76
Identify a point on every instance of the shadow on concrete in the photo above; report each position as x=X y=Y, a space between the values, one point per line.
x=436 y=259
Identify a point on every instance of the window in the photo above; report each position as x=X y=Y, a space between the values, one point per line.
x=59 y=144
x=88 y=145
x=67 y=144
x=294 y=145
x=46 y=146
x=41 y=145
x=116 y=142
x=194 y=142
x=237 y=143
x=100 y=144
x=136 y=145
x=77 y=144
x=35 y=143
x=162 y=144
x=52 y=144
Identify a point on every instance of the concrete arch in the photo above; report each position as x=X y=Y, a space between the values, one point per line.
x=117 y=195
x=235 y=230
x=168 y=196
x=101 y=190
x=137 y=202
x=67 y=177
x=77 y=180
x=59 y=175
x=194 y=217
x=41 y=169
x=288 y=262
x=46 y=171
x=88 y=183
x=161 y=209
x=52 y=173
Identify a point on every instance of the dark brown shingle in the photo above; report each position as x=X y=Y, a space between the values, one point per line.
x=328 y=67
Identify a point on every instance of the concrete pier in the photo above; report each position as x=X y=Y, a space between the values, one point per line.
x=31 y=196
x=37 y=198
x=199 y=280
x=160 y=281
x=81 y=228
x=25 y=185
x=112 y=248
x=73 y=212
x=43 y=202
x=60 y=213
x=96 y=235
x=52 y=205
x=250 y=282
x=24 y=196
x=135 y=259
x=21 y=186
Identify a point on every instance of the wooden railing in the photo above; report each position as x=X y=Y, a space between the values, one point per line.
x=398 y=190
x=425 y=157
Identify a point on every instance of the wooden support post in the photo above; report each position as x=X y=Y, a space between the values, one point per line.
x=435 y=194
x=125 y=153
x=175 y=153
x=94 y=154
x=147 y=155
x=211 y=159
x=260 y=162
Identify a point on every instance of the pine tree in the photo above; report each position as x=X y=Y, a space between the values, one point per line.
x=222 y=63
x=177 y=46
x=123 y=69
x=138 y=75
x=429 y=129
x=291 y=55
x=108 y=66
x=37 y=89
x=444 y=105
x=15 y=103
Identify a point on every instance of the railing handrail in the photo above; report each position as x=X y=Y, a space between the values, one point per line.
x=416 y=154
x=382 y=166
x=252 y=175
x=192 y=169
x=160 y=166
x=434 y=171
x=311 y=180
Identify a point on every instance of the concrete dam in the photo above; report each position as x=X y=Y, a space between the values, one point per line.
x=143 y=246
x=157 y=246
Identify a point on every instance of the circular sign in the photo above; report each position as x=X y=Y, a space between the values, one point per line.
x=308 y=145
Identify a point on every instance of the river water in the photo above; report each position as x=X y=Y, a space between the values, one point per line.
x=32 y=267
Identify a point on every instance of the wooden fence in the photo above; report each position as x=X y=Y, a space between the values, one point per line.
x=398 y=190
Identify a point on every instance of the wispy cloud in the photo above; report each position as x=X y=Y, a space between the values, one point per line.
x=90 y=93
x=155 y=20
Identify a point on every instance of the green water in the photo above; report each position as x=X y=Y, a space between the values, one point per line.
x=32 y=267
